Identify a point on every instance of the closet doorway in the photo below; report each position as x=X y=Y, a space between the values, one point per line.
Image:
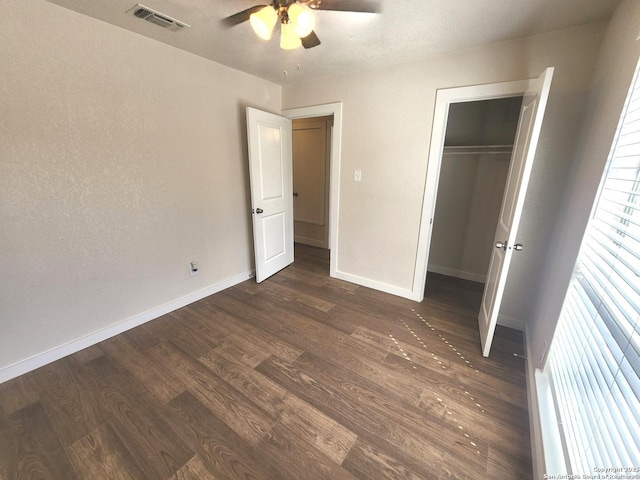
x=477 y=150
x=535 y=94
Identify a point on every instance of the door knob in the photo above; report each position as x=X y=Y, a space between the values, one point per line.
x=259 y=211
x=517 y=247
x=295 y=194
x=502 y=245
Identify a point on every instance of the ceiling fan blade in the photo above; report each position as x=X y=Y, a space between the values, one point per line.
x=242 y=16
x=310 y=40
x=365 y=6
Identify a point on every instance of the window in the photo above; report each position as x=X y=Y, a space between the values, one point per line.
x=594 y=362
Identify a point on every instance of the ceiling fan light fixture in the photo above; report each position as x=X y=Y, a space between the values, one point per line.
x=302 y=18
x=263 y=21
x=289 y=40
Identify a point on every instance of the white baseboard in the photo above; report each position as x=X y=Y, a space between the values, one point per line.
x=511 y=322
x=311 y=241
x=451 y=272
x=375 y=285
x=56 y=353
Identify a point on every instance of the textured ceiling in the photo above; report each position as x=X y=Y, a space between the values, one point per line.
x=406 y=30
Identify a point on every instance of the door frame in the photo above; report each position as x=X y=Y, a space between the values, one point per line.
x=334 y=109
x=444 y=98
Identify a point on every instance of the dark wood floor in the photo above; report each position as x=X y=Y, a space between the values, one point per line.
x=300 y=377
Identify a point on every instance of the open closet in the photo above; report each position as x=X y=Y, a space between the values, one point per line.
x=475 y=163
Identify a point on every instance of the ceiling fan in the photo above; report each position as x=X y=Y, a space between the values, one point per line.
x=296 y=17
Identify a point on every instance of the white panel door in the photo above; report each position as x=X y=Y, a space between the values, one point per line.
x=270 y=173
x=524 y=149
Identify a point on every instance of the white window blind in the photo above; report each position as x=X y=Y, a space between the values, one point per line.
x=594 y=361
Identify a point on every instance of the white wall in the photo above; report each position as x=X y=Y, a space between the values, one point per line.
x=611 y=81
x=121 y=160
x=617 y=60
x=386 y=132
x=470 y=192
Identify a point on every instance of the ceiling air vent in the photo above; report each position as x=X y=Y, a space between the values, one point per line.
x=153 y=16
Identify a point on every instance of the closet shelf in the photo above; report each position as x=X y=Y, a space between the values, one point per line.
x=470 y=149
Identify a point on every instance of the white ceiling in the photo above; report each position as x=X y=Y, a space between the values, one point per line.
x=406 y=30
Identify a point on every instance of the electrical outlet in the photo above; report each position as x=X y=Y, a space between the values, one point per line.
x=193 y=269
